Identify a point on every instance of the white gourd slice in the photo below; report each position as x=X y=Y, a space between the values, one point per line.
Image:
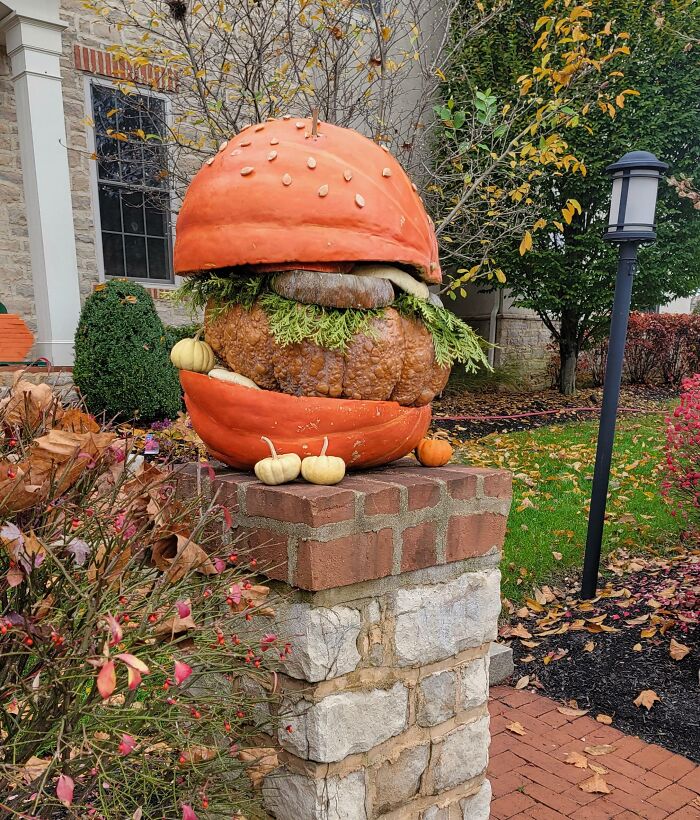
x=233 y=378
x=404 y=281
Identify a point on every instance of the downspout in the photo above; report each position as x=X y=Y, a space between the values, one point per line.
x=493 y=324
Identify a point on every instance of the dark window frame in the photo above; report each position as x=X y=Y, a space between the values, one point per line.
x=154 y=225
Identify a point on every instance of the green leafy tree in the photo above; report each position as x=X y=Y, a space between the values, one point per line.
x=568 y=276
x=122 y=364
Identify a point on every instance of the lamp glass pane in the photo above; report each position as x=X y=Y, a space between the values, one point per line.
x=615 y=201
x=641 y=200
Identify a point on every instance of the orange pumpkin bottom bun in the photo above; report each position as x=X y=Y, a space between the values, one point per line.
x=231 y=419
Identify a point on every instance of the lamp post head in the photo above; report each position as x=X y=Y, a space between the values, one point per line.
x=635 y=179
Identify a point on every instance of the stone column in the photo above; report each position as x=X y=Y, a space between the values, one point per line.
x=33 y=39
x=391 y=588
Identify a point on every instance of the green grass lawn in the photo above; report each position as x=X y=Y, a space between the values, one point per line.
x=553 y=471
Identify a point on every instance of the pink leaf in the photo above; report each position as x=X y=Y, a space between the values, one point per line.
x=188 y=813
x=127 y=745
x=134 y=662
x=235 y=594
x=107 y=680
x=115 y=629
x=182 y=672
x=64 y=789
x=133 y=677
x=219 y=565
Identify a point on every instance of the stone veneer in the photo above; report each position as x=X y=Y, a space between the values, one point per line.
x=390 y=598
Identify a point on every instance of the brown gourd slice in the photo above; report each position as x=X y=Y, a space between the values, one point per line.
x=305 y=369
x=413 y=388
x=336 y=290
x=242 y=340
x=374 y=360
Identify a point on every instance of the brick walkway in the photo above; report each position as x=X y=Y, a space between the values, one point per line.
x=531 y=780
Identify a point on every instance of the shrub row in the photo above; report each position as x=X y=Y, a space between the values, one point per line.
x=661 y=348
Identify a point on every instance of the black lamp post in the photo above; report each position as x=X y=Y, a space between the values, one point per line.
x=635 y=183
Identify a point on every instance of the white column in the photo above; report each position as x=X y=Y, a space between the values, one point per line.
x=34 y=48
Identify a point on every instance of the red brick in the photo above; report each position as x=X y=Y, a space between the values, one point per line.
x=506 y=783
x=270 y=551
x=626 y=784
x=544 y=778
x=601 y=810
x=637 y=805
x=418 y=546
x=686 y=813
x=503 y=763
x=558 y=802
x=628 y=746
x=650 y=757
x=540 y=812
x=470 y=535
x=674 y=768
x=691 y=780
x=555 y=719
x=380 y=497
x=460 y=482
x=539 y=707
x=422 y=491
x=498 y=483
x=672 y=798
x=517 y=697
x=510 y=805
x=342 y=561
x=307 y=504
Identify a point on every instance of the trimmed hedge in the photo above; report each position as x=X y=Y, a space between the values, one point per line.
x=122 y=356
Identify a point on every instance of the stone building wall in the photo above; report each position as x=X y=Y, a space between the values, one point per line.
x=16 y=288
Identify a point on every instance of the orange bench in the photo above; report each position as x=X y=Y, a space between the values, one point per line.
x=16 y=339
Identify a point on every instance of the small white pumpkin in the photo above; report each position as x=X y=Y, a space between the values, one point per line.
x=323 y=469
x=224 y=375
x=278 y=469
x=192 y=354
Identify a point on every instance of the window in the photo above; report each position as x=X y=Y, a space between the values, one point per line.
x=132 y=183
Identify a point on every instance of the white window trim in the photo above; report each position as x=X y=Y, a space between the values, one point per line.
x=89 y=81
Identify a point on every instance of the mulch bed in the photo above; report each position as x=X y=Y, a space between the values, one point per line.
x=548 y=407
x=601 y=655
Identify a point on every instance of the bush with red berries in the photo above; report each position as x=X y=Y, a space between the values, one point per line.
x=133 y=680
x=681 y=484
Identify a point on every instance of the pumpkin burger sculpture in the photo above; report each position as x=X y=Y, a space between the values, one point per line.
x=311 y=252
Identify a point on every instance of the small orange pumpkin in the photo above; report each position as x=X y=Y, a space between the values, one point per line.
x=432 y=452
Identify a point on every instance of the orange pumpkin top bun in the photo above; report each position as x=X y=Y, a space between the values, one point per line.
x=275 y=195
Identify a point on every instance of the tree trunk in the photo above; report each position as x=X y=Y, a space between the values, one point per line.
x=568 y=352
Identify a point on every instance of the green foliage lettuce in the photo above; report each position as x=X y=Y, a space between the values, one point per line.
x=334 y=328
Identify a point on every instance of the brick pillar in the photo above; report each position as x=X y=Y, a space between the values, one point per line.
x=391 y=586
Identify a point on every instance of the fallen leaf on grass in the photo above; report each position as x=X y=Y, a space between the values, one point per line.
x=571 y=712
x=523 y=682
x=557 y=556
x=516 y=728
x=677 y=650
x=576 y=759
x=646 y=698
x=597 y=751
x=595 y=785
x=606 y=719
